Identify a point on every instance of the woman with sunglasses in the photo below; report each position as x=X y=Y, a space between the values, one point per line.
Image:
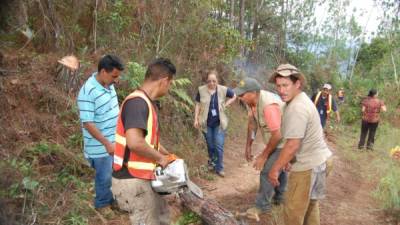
x=211 y=101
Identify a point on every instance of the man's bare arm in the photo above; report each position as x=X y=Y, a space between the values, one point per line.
x=136 y=143
x=95 y=132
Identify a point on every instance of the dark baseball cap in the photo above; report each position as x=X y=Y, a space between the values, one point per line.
x=246 y=85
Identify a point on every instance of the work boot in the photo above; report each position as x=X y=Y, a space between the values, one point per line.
x=254 y=213
x=115 y=208
x=277 y=201
x=210 y=165
x=106 y=212
x=221 y=173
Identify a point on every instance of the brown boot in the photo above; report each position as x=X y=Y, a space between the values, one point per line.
x=106 y=212
x=254 y=213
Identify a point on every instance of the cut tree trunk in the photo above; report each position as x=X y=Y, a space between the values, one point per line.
x=68 y=74
x=210 y=211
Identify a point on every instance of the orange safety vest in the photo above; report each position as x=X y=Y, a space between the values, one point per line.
x=138 y=166
x=328 y=106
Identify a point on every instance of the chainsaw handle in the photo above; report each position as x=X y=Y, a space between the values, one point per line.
x=171 y=158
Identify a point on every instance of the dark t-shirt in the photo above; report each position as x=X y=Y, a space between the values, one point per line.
x=138 y=113
x=213 y=121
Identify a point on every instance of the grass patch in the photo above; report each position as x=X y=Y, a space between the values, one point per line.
x=376 y=166
x=188 y=217
x=388 y=190
x=75 y=218
x=46 y=182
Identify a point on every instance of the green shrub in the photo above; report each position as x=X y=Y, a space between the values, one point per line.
x=29 y=184
x=187 y=218
x=135 y=77
x=388 y=190
x=75 y=141
x=182 y=101
x=43 y=148
x=65 y=179
x=75 y=218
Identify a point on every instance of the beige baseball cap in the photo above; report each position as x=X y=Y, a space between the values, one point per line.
x=327 y=86
x=286 y=70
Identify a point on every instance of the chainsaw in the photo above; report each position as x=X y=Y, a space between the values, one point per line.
x=174 y=178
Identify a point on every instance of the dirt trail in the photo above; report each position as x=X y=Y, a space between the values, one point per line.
x=348 y=201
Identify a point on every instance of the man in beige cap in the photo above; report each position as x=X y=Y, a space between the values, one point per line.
x=304 y=148
x=265 y=112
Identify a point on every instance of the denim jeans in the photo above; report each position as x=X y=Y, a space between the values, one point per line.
x=215 y=138
x=266 y=191
x=102 y=181
x=323 y=118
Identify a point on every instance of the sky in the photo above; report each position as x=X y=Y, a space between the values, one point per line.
x=367 y=14
x=371 y=19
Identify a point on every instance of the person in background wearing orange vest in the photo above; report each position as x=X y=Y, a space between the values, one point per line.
x=340 y=96
x=325 y=104
x=138 y=150
x=98 y=112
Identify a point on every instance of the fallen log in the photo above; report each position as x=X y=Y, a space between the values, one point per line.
x=209 y=211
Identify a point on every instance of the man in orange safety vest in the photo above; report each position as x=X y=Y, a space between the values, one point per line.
x=325 y=104
x=138 y=150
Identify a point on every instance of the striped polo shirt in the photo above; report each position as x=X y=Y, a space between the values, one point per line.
x=99 y=105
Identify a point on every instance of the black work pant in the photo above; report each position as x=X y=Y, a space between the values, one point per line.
x=370 y=130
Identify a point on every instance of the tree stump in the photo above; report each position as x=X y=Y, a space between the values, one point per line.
x=68 y=71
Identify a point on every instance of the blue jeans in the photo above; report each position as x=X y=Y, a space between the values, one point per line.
x=215 y=138
x=323 y=118
x=266 y=191
x=102 y=181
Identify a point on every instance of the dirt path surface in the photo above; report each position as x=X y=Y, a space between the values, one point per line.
x=348 y=201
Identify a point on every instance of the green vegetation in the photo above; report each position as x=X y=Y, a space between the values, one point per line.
x=388 y=190
x=377 y=166
x=188 y=218
x=47 y=181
